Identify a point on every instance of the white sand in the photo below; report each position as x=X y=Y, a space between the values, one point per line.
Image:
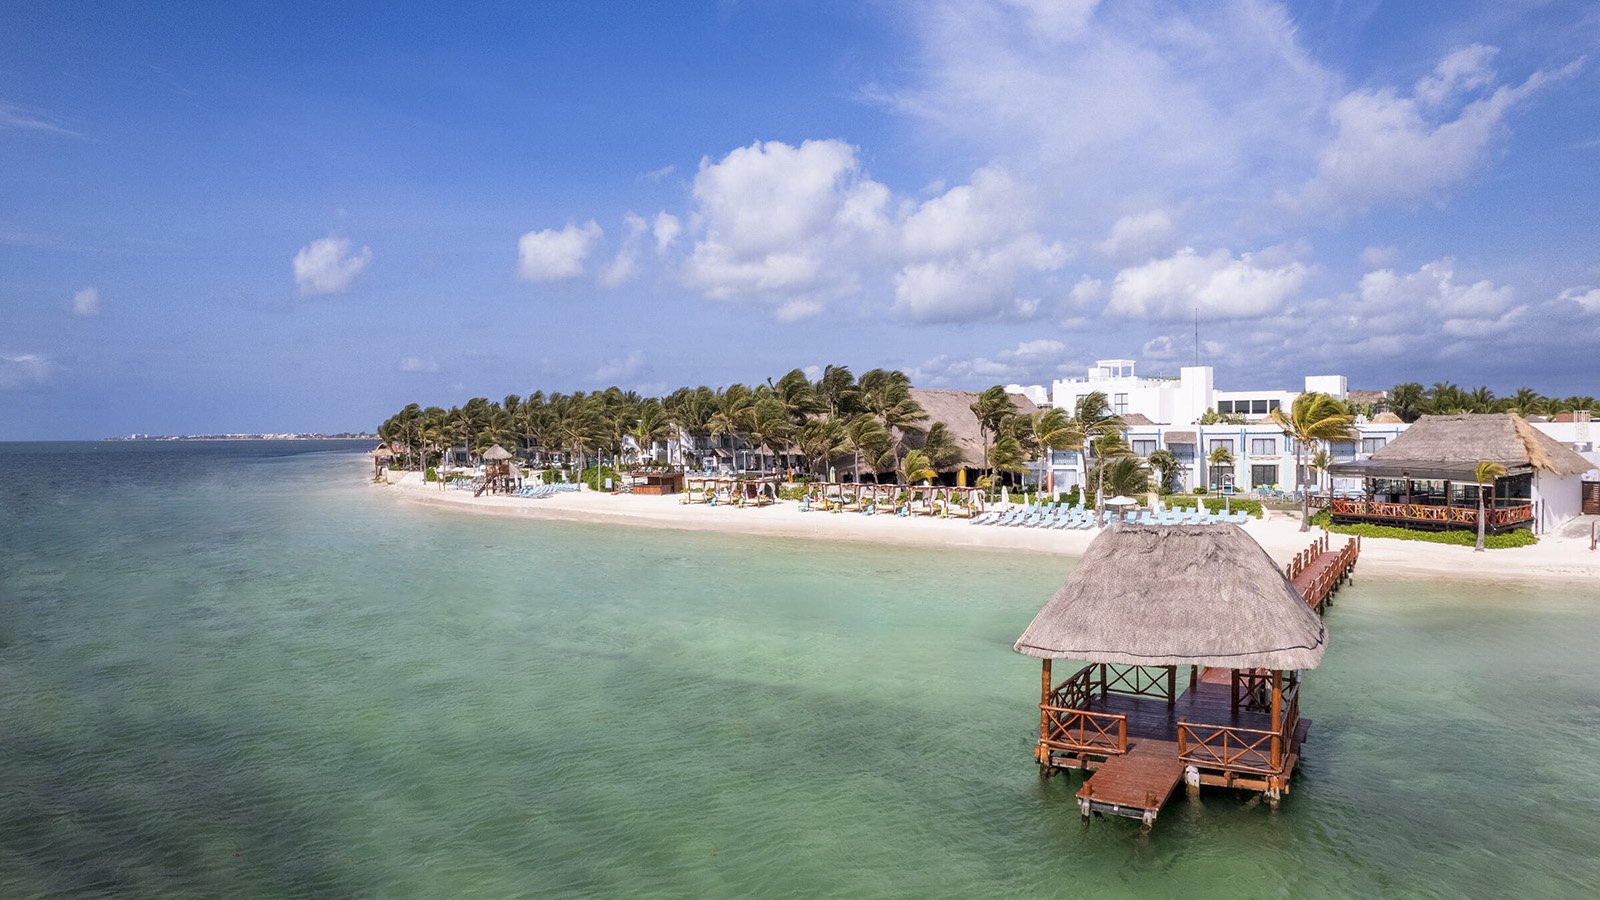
x=1557 y=556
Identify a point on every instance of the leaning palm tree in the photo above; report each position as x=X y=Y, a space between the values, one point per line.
x=1164 y=462
x=1312 y=417
x=1124 y=475
x=1220 y=458
x=1108 y=446
x=1486 y=474
x=1047 y=430
x=916 y=468
x=1320 y=461
x=993 y=409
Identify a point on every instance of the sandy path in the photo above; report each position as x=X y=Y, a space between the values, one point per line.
x=1555 y=557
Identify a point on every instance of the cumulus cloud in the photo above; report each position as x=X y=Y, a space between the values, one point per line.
x=1141 y=236
x=1388 y=148
x=552 y=255
x=86 y=302
x=627 y=259
x=1380 y=257
x=418 y=364
x=772 y=213
x=1218 y=286
x=327 y=266
x=1165 y=348
x=1433 y=288
x=1588 y=299
x=23 y=369
x=619 y=369
x=665 y=229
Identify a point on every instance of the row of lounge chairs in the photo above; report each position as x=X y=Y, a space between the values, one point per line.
x=1058 y=516
x=546 y=490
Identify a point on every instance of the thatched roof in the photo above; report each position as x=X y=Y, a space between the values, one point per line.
x=1137 y=420
x=1177 y=595
x=381 y=451
x=497 y=452
x=954 y=409
x=1450 y=448
x=1181 y=437
x=1387 y=418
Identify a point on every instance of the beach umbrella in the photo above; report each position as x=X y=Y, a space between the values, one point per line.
x=831 y=477
x=1120 y=500
x=1005 y=494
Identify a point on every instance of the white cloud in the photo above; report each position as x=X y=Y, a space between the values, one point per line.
x=1380 y=257
x=326 y=266
x=1043 y=349
x=1217 y=286
x=551 y=255
x=627 y=259
x=1142 y=236
x=1388 y=148
x=619 y=369
x=665 y=229
x=86 y=302
x=771 y=214
x=418 y=364
x=1462 y=70
x=1433 y=289
x=23 y=369
x=1587 y=298
x=1086 y=291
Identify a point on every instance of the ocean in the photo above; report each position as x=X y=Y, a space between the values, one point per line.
x=240 y=670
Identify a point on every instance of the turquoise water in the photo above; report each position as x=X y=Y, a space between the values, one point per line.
x=229 y=673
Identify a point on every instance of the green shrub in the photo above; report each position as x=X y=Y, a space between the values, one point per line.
x=791 y=492
x=1217 y=504
x=431 y=475
x=595 y=478
x=1522 y=537
x=1199 y=489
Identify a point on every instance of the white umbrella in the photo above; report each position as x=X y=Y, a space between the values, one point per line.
x=1120 y=500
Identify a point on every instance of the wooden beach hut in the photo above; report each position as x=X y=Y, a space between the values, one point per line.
x=1194 y=641
x=1426 y=478
x=382 y=456
x=498 y=474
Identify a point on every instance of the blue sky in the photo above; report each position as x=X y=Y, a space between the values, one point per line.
x=301 y=217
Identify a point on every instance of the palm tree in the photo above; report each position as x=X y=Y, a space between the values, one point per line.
x=732 y=413
x=1480 y=400
x=798 y=396
x=838 y=388
x=651 y=426
x=1166 y=463
x=1312 y=417
x=993 y=409
x=1107 y=446
x=1047 y=430
x=864 y=434
x=768 y=426
x=1220 y=458
x=1486 y=474
x=941 y=448
x=1125 y=475
x=1092 y=416
x=887 y=395
x=820 y=441
x=1320 y=461
x=1526 y=402
x=1406 y=401
x=916 y=468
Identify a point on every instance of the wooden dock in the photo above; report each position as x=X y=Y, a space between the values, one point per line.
x=1317 y=572
x=1136 y=784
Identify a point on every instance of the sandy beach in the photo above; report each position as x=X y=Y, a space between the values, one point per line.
x=1560 y=556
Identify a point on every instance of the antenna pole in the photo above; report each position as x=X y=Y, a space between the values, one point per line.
x=1197 y=335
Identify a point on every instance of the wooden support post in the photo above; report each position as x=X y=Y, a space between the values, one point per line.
x=1172 y=686
x=1194 y=678
x=1233 y=688
x=1277 y=717
x=1044 y=715
x=1102 y=681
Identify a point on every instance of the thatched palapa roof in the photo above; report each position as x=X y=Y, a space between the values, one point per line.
x=1177 y=595
x=954 y=409
x=1387 y=418
x=497 y=452
x=1449 y=448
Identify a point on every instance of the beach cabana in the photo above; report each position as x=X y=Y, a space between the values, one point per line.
x=382 y=456
x=1194 y=641
x=1426 y=478
x=498 y=474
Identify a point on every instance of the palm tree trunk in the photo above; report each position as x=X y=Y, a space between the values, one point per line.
x=1479 y=547
x=1305 y=498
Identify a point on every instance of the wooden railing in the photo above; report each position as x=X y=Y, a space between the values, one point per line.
x=1242 y=749
x=1081 y=731
x=1076 y=692
x=1138 y=681
x=1499 y=516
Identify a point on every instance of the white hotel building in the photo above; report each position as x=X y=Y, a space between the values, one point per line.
x=1165 y=412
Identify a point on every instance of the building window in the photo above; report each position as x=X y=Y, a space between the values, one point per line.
x=1258 y=407
x=1143 y=448
x=1225 y=443
x=1225 y=407
x=1372 y=445
x=1343 y=451
x=1272 y=405
x=1121 y=406
x=1263 y=446
x=1261 y=476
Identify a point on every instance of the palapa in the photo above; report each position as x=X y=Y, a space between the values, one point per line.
x=1165 y=595
x=497 y=452
x=1450 y=448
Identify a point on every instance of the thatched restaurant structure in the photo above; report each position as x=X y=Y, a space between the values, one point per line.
x=1426 y=478
x=1194 y=641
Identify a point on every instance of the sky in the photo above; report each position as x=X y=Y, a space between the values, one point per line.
x=301 y=217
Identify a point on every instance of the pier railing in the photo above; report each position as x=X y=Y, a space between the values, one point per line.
x=1234 y=749
x=1081 y=731
x=1497 y=516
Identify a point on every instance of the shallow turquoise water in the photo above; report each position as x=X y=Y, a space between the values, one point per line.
x=229 y=674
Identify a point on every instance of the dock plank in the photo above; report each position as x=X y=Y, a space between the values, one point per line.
x=1137 y=783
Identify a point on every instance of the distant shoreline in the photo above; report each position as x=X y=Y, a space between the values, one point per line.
x=1556 y=558
x=347 y=436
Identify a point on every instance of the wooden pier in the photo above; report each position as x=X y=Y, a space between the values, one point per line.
x=1140 y=731
x=1318 y=571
